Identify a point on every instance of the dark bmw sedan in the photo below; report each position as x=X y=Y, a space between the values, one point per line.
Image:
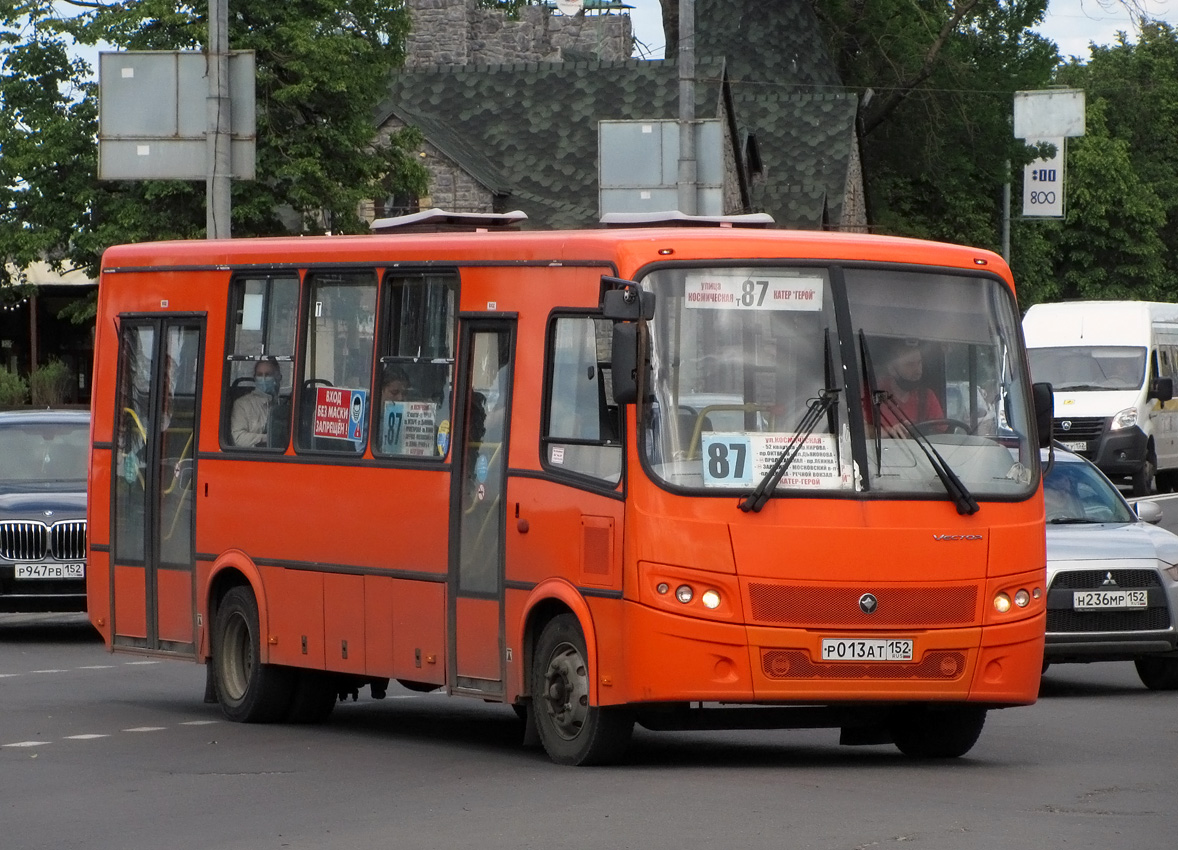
x=43 y=463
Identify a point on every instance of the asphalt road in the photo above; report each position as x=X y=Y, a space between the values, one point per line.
x=110 y=751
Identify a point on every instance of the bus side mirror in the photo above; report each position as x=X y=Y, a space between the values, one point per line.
x=624 y=363
x=624 y=300
x=1162 y=389
x=1044 y=398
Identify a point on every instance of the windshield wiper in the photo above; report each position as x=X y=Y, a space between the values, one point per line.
x=962 y=498
x=1074 y=520
x=818 y=408
x=873 y=394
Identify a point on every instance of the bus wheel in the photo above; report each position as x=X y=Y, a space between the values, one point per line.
x=572 y=731
x=249 y=691
x=1158 y=674
x=938 y=733
x=314 y=697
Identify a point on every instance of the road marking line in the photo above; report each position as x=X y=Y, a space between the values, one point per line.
x=8 y=675
x=98 y=667
x=146 y=729
x=84 y=737
x=133 y=663
x=199 y=722
x=28 y=744
x=47 y=671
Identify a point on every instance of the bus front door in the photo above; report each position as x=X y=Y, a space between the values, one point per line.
x=476 y=662
x=154 y=467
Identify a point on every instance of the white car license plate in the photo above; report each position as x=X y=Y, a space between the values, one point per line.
x=50 y=570
x=1075 y=446
x=1110 y=600
x=890 y=649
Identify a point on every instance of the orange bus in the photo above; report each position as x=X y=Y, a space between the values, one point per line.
x=684 y=477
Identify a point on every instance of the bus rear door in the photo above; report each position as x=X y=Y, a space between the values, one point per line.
x=152 y=514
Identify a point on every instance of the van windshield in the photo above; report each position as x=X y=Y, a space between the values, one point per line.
x=1088 y=368
x=838 y=380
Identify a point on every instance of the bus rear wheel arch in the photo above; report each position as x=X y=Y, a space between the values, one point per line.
x=572 y=730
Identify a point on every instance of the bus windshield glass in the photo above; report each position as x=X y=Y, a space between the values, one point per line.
x=852 y=379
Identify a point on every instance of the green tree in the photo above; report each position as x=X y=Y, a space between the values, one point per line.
x=322 y=68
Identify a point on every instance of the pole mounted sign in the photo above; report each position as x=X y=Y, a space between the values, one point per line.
x=1048 y=116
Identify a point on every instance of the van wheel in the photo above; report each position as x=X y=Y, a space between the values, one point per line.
x=572 y=730
x=938 y=733
x=1158 y=674
x=1143 y=477
x=249 y=691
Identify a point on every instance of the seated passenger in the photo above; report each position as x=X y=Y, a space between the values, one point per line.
x=249 y=423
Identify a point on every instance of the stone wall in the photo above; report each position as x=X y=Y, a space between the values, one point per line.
x=457 y=32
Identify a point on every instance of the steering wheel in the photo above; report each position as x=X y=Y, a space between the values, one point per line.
x=942 y=426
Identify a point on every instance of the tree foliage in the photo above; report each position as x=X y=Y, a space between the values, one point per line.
x=322 y=69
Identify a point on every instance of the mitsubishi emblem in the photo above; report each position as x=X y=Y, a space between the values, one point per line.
x=1109 y=581
x=868 y=603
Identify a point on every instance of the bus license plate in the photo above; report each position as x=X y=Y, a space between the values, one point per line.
x=50 y=570
x=1110 y=600
x=841 y=649
x=1074 y=446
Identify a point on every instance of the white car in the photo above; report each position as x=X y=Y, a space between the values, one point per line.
x=1112 y=575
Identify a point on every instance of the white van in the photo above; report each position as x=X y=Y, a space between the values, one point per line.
x=1112 y=365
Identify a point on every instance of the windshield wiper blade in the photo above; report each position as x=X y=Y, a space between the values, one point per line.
x=962 y=498
x=1073 y=520
x=818 y=407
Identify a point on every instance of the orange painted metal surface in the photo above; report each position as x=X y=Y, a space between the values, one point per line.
x=359 y=553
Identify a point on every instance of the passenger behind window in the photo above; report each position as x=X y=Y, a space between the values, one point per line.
x=408 y=420
x=250 y=422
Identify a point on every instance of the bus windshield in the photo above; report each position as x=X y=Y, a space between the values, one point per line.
x=863 y=379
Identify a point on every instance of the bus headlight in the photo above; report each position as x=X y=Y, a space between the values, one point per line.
x=710 y=599
x=1022 y=599
x=1001 y=603
x=1127 y=418
x=684 y=593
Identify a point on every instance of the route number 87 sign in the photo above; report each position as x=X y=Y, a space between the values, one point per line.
x=740 y=460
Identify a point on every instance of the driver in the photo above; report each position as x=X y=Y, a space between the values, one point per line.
x=902 y=381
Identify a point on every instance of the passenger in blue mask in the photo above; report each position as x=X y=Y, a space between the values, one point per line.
x=249 y=424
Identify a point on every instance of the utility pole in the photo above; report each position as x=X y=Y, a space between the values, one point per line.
x=217 y=139
x=688 y=167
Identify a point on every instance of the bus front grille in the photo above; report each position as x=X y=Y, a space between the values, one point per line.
x=812 y=606
x=944 y=665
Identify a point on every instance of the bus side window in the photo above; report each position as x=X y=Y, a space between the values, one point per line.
x=582 y=425
x=264 y=319
x=411 y=417
x=335 y=394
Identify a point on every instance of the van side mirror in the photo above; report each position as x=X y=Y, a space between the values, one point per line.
x=624 y=301
x=1044 y=398
x=1162 y=389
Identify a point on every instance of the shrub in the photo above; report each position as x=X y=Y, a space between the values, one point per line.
x=49 y=385
x=14 y=389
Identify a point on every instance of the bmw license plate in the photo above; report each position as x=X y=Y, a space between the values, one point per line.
x=1074 y=445
x=1110 y=600
x=50 y=571
x=875 y=649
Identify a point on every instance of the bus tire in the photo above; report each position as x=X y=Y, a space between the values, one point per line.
x=249 y=691
x=314 y=697
x=573 y=731
x=1158 y=674
x=938 y=733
